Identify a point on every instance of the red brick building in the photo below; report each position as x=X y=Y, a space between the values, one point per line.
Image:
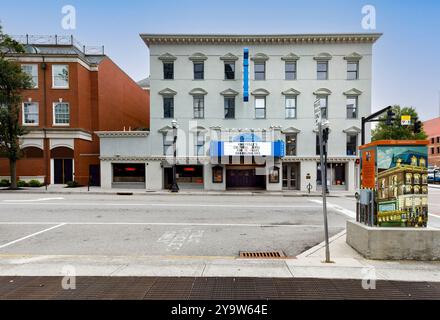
x=432 y=129
x=77 y=91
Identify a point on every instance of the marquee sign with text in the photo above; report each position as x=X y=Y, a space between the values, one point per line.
x=247 y=148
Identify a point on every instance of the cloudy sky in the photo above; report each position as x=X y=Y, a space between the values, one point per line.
x=406 y=65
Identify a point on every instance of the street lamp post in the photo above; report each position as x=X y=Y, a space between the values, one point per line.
x=174 y=186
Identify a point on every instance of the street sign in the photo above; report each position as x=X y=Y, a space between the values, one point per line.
x=405 y=120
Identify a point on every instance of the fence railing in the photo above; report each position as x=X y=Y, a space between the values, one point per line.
x=60 y=40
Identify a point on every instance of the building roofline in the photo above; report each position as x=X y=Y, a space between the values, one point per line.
x=259 y=38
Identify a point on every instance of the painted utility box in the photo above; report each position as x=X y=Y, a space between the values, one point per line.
x=395 y=174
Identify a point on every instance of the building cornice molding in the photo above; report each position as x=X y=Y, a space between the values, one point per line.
x=121 y=134
x=291 y=92
x=167 y=57
x=154 y=39
x=324 y=56
x=229 y=92
x=322 y=92
x=198 y=57
x=290 y=130
x=260 y=57
x=353 y=57
x=198 y=92
x=353 y=92
x=260 y=92
x=167 y=92
x=58 y=134
x=352 y=129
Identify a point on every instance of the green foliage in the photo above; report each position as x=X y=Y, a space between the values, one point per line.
x=35 y=184
x=73 y=184
x=4 y=183
x=22 y=184
x=12 y=82
x=396 y=131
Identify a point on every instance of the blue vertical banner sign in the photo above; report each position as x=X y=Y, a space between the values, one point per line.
x=246 y=75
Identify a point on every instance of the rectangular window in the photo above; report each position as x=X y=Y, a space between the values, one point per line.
x=352 y=70
x=168 y=140
x=61 y=114
x=199 y=144
x=438 y=149
x=199 y=107
x=229 y=70
x=324 y=106
x=352 y=107
x=168 y=70
x=290 y=105
x=291 y=144
x=432 y=150
x=260 y=108
x=60 y=76
x=260 y=70
x=290 y=71
x=199 y=71
x=318 y=149
x=32 y=71
x=432 y=140
x=168 y=107
x=229 y=107
x=352 y=141
x=438 y=139
x=30 y=113
x=322 y=67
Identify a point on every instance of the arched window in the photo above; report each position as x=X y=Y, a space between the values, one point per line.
x=32 y=153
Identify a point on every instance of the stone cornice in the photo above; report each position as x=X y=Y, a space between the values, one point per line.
x=153 y=39
x=121 y=134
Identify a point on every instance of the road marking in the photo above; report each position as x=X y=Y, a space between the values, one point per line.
x=177 y=238
x=31 y=235
x=348 y=213
x=33 y=200
x=164 y=205
x=166 y=224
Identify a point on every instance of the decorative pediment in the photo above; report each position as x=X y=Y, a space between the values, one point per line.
x=353 y=92
x=165 y=129
x=352 y=129
x=322 y=92
x=167 y=92
x=260 y=92
x=291 y=92
x=229 y=57
x=229 y=92
x=353 y=57
x=167 y=57
x=290 y=130
x=198 y=57
x=198 y=92
x=260 y=57
x=324 y=56
x=198 y=129
x=291 y=57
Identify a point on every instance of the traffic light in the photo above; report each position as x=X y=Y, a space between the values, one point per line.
x=325 y=134
x=417 y=126
x=390 y=117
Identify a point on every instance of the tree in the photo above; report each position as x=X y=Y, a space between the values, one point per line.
x=396 y=131
x=12 y=82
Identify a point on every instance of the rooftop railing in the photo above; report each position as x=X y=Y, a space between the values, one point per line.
x=58 y=40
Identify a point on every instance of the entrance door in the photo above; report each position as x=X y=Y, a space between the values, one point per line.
x=290 y=176
x=244 y=179
x=95 y=175
x=63 y=170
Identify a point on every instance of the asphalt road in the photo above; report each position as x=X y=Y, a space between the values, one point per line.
x=168 y=225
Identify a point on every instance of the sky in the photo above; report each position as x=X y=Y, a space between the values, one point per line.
x=406 y=66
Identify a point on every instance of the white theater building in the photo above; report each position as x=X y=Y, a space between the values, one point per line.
x=268 y=142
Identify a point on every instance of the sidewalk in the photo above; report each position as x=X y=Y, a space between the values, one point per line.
x=57 y=189
x=347 y=264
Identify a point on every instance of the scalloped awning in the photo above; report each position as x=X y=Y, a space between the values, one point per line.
x=198 y=92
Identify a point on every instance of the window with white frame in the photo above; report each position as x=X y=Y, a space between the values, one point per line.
x=290 y=72
x=322 y=70
x=290 y=104
x=352 y=107
x=352 y=141
x=199 y=144
x=199 y=107
x=61 y=114
x=324 y=106
x=168 y=141
x=352 y=70
x=32 y=71
x=60 y=76
x=260 y=107
x=30 y=113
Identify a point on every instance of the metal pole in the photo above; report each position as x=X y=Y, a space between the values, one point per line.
x=324 y=195
x=174 y=187
x=363 y=131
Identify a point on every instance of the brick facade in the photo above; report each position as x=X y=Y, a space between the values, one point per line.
x=432 y=129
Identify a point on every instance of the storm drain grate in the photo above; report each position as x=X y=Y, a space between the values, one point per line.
x=262 y=255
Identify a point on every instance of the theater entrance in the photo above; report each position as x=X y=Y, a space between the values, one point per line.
x=245 y=177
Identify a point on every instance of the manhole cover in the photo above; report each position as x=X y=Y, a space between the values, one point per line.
x=262 y=255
